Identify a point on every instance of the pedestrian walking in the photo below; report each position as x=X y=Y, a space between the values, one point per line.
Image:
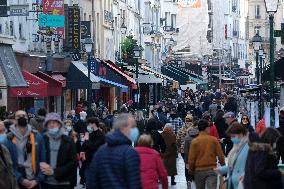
x=116 y=164
x=175 y=121
x=151 y=165
x=261 y=170
x=192 y=134
x=246 y=123
x=170 y=155
x=202 y=158
x=93 y=139
x=7 y=174
x=213 y=108
x=30 y=152
x=61 y=162
x=222 y=127
x=37 y=121
x=260 y=126
x=237 y=157
x=213 y=130
x=152 y=129
x=183 y=133
x=140 y=121
x=80 y=126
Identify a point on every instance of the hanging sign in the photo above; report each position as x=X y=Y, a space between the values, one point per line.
x=51 y=20
x=3 y=8
x=19 y=10
x=85 y=29
x=74 y=31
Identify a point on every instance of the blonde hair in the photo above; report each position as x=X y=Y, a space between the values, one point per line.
x=139 y=116
x=68 y=121
x=145 y=141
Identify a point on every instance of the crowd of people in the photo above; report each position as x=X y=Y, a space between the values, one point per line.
x=134 y=149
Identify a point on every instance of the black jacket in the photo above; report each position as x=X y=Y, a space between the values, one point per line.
x=80 y=126
x=66 y=164
x=96 y=139
x=261 y=170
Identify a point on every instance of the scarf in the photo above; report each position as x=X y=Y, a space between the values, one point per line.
x=233 y=155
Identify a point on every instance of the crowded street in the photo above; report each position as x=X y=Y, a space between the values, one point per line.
x=142 y=94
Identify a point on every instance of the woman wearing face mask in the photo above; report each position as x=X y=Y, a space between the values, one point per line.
x=237 y=157
x=61 y=160
x=246 y=123
x=93 y=139
x=170 y=155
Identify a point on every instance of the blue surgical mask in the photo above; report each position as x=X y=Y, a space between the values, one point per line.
x=134 y=134
x=3 y=138
x=90 y=129
x=68 y=129
x=66 y=133
x=235 y=140
x=53 y=132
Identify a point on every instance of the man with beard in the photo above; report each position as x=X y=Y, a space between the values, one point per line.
x=30 y=152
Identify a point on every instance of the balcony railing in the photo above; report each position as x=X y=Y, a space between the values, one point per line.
x=170 y=29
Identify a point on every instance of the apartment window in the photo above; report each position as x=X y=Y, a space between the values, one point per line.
x=85 y=16
x=1 y=29
x=168 y=18
x=21 y=31
x=174 y=18
x=11 y=28
x=257 y=11
x=256 y=29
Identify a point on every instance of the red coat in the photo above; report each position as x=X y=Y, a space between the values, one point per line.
x=214 y=131
x=152 y=169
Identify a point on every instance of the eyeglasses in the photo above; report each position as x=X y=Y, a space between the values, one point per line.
x=245 y=118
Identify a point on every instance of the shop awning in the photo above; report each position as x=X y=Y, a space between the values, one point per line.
x=60 y=78
x=158 y=74
x=151 y=78
x=103 y=80
x=10 y=67
x=37 y=87
x=54 y=86
x=77 y=77
x=120 y=71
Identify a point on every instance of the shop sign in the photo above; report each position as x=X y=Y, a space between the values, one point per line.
x=51 y=20
x=85 y=29
x=74 y=28
x=19 y=10
x=3 y=8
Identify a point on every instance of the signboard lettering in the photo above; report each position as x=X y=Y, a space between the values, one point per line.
x=51 y=20
x=85 y=29
x=19 y=10
x=74 y=28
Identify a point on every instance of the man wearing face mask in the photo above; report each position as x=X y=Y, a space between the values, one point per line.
x=93 y=139
x=60 y=155
x=30 y=152
x=116 y=164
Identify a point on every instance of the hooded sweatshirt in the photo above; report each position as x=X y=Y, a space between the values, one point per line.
x=21 y=139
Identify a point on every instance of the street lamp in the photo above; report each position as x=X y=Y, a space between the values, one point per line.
x=136 y=56
x=271 y=8
x=88 y=47
x=123 y=28
x=256 y=40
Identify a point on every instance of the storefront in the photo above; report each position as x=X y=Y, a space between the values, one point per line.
x=10 y=75
x=41 y=91
x=110 y=85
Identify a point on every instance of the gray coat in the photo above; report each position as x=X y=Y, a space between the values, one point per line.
x=7 y=176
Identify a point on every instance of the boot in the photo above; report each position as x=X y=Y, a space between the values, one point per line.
x=173 y=180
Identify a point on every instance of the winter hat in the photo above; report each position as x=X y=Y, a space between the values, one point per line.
x=53 y=117
x=193 y=132
x=168 y=125
x=229 y=115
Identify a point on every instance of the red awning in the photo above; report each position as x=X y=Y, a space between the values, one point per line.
x=59 y=77
x=120 y=71
x=36 y=87
x=54 y=86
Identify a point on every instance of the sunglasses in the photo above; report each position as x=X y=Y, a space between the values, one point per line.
x=245 y=118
